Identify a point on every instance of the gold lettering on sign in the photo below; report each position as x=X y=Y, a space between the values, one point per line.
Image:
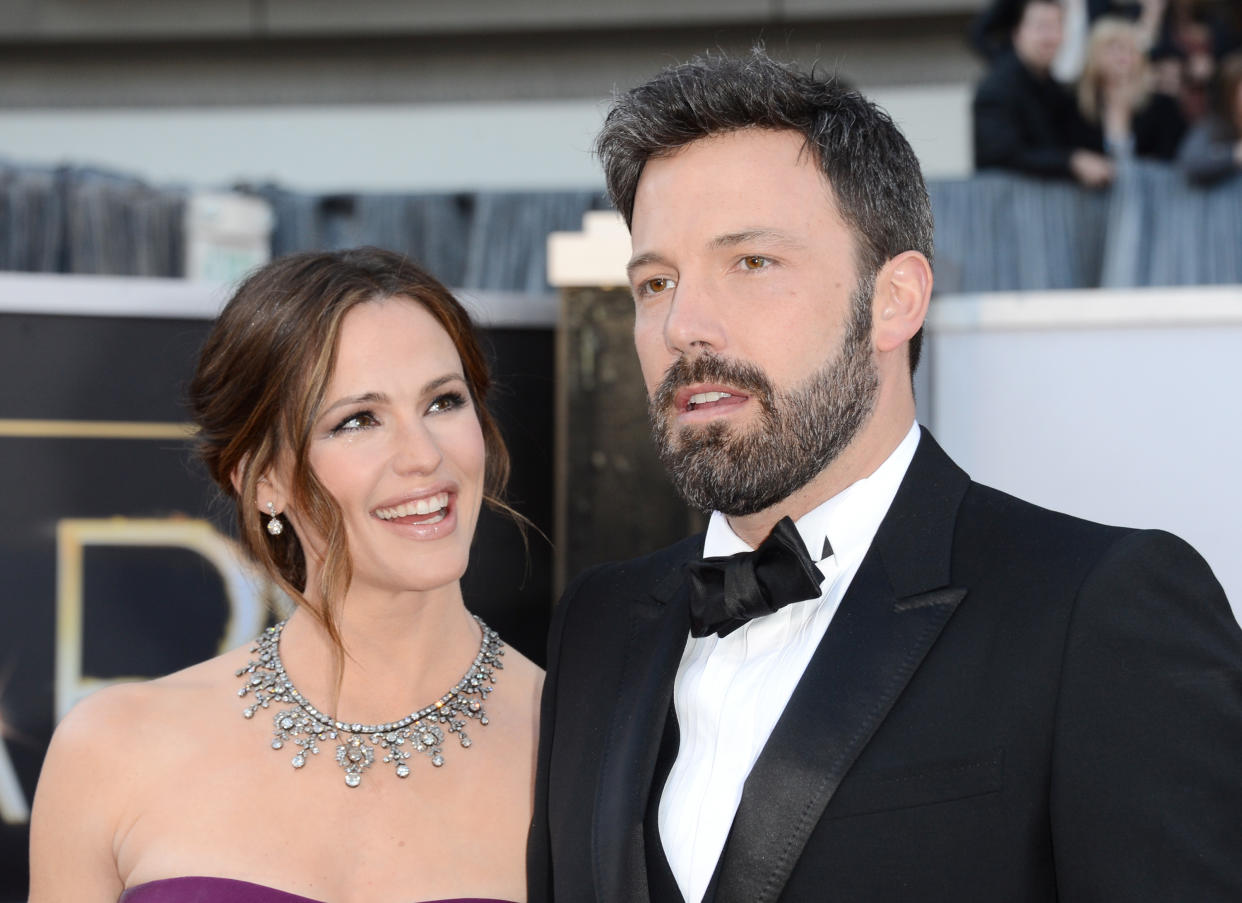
x=245 y=590
x=94 y=429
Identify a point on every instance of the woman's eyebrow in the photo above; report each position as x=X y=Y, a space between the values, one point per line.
x=350 y=400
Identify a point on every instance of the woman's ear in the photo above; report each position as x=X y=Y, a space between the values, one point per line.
x=269 y=497
x=902 y=293
x=269 y=490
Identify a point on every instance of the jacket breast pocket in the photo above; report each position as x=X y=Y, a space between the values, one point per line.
x=919 y=784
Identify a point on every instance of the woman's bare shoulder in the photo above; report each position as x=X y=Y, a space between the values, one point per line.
x=125 y=712
x=104 y=766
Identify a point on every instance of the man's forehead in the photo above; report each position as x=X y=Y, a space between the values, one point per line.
x=712 y=163
x=1040 y=11
x=758 y=185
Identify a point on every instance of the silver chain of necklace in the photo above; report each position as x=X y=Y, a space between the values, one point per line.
x=395 y=742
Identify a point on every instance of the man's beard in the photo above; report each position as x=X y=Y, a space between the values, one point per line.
x=798 y=433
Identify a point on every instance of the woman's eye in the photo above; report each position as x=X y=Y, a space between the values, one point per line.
x=355 y=422
x=446 y=402
x=755 y=262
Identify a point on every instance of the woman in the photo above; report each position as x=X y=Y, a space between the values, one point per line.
x=1116 y=99
x=1213 y=149
x=340 y=404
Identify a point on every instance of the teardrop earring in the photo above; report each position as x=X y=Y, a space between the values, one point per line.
x=275 y=526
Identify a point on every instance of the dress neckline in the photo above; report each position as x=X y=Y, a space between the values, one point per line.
x=147 y=891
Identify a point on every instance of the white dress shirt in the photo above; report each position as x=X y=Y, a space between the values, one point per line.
x=730 y=691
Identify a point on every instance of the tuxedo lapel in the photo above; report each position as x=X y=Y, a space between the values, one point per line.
x=895 y=608
x=659 y=628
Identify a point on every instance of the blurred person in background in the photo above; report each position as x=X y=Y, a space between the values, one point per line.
x=1024 y=120
x=340 y=401
x=1194 y=38
x=1212 y=150
x=991 y=31
x=1168 y=66
x=1201 y=32
x=1117 y=96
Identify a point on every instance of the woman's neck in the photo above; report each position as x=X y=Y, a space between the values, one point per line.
x=402 y=651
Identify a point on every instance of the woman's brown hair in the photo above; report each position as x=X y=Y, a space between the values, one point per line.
x=260 y=384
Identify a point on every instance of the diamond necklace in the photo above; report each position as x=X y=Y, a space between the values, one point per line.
x=422 y=731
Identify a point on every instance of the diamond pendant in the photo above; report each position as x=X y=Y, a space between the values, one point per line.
x=355 y=757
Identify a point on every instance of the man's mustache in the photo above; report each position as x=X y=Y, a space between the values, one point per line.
x=711 y=368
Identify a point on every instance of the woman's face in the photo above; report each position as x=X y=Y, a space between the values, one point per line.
x=399 y=447
x=1119 y=58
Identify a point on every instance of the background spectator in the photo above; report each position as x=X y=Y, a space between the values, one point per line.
x=1201 y=32
x=991 y=30
x=1213 y=149
x=1168 y=65
x=1117 y=96
x=1024 y=120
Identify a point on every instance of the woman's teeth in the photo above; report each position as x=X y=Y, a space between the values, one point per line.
x=419 y=507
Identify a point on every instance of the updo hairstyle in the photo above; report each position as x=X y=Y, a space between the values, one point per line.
x=259 y=388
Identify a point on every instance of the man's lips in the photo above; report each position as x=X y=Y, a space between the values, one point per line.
x=714 y=397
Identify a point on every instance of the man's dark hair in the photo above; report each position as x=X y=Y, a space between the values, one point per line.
x=1021 y=8
x=871 y=169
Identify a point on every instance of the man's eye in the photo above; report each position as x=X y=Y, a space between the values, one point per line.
x=755 y=262
x=656 y=286
x=360 y=421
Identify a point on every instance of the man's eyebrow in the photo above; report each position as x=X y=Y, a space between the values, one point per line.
x=642 y=260
x=771 y=236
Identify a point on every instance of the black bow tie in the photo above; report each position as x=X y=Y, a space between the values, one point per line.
x=727 y=591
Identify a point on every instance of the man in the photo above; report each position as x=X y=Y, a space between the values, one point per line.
x=944 y=693
x=1026 y=122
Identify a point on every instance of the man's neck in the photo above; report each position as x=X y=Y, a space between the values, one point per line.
x=871 y=448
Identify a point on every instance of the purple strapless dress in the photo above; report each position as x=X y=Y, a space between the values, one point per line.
x=229 y=890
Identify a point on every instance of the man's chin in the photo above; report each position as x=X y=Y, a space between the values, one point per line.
x=691 y=437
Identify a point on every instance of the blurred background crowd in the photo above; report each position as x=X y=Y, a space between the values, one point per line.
x=1076 y=87
x=462 y=135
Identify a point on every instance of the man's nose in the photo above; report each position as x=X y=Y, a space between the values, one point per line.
x=693 y=322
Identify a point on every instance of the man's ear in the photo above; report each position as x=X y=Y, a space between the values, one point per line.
x=903 y=290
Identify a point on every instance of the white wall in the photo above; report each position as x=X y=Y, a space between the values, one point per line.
x=530 y=145
x=533 y=145
x=1118 y=406
x=126 y=296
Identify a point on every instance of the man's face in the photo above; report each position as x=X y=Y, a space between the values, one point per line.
x=1037 y=38
x=752 y=331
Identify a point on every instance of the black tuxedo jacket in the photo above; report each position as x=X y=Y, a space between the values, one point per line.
x=1009 y=705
